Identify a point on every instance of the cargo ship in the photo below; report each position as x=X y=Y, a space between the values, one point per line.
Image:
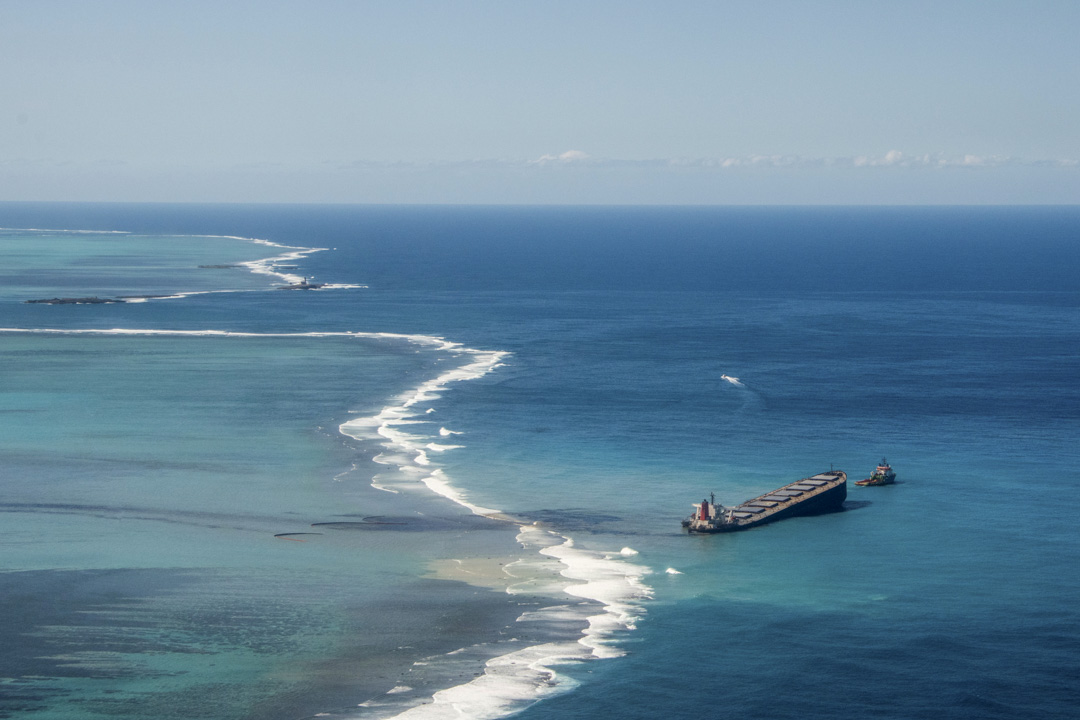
x=822 y=493
x=882 y=475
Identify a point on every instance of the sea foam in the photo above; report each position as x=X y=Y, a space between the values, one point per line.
x=613 y=586
x=514 y=680
x=410 y=450
x=264 y=266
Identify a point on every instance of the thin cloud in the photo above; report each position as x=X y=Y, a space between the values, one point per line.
x=896 y=158
x=580 y=160
x=890 y=159
x=569 y=156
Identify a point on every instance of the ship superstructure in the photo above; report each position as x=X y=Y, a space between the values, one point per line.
x=883 y=475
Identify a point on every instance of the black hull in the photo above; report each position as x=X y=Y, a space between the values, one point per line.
x=829 y=499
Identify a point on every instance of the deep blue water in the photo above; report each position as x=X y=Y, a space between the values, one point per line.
x=947 y=339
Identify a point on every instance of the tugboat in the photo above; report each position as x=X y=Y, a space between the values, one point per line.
x=883 y=475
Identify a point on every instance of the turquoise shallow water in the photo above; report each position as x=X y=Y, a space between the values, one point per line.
x=186 y=422
x=184 y=525
x=45 y=264
x=146 y=476
x=145 y=481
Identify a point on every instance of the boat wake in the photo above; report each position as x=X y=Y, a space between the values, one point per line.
x=751 y=400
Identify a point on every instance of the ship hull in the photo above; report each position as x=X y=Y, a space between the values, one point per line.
x=768 y=508
x=870 y=482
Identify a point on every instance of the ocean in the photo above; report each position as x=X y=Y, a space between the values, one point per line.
x=449 y=481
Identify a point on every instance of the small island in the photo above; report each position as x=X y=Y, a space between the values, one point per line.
x=75 y=301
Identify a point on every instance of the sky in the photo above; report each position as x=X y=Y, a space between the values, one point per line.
x=627 y=102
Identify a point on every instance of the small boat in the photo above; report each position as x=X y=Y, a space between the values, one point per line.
x=883 y=475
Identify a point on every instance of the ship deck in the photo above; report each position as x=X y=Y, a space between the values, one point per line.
x=808 y=496
x=763 y=507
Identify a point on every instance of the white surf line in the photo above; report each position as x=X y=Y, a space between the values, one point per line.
x=387 y=421
x=263 y=266
x=515 y=680
x=176 y=296
x=73 y=232
x=437 y=342
x=266 y=265
x=732 y=380
x=518 y=679
x=612 y=582
x=409 y=452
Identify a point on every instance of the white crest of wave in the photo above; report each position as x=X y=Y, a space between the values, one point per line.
x=439 y=484
x=615 y=584
x=509 y=683
x=266 y=266
x=412 y=449
x=263 y=266
x=520 y=678
x=732 y=380
x=512 y=681
x=672 y=571
x=68 y=232
x=438 y=447
x=179 y=295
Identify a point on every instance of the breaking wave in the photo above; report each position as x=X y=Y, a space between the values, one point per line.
x=515 y=679
x=551 y=564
